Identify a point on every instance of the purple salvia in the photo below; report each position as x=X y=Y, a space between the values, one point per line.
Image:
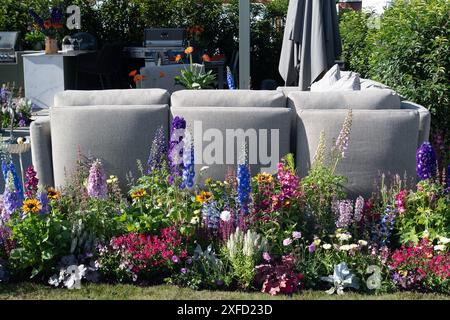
x=97 y=186
x=158 y=151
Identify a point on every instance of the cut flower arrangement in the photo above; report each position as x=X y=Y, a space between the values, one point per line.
x=277 y=233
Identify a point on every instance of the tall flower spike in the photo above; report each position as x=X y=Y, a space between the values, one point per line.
x=8 y=166
x=345 y=214
x=425 y=161
x=42 y=197
x=230 y=79
x=158 y=151
x=188 y=162
x=97 y=186
x=12 y=198
x=344 y=136
x=243 y=181
x=176 y=147
x=31 y=182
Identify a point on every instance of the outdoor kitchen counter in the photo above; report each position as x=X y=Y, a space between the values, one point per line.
x=47 y=74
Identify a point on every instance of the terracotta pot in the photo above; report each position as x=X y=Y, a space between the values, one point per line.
x=51 y=46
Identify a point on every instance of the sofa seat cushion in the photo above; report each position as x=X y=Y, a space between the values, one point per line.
x=370 y=99
x=111 y=97
x=217 y=147
x=228 y=98
x=116 y=135
x=381 y=141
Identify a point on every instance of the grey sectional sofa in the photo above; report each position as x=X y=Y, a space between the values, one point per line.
x=118 y=126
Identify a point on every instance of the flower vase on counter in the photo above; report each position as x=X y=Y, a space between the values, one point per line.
x=51 y=45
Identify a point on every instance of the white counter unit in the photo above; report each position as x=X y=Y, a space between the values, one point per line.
x=47 y=74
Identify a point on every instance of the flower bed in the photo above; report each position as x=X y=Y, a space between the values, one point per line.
x=278 y=234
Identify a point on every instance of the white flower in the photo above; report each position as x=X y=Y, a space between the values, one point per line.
x=225 y=216
x=326 y=246
x=362 y=243
x=194 y=220
x=440 y=247
x=443 y=240
x=196 y=85
x=345 y=247
x=353 y=246
x=204 y=168
x=425 y=234
x=343 y=236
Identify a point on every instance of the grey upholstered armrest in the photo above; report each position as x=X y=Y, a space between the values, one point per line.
x=41 y=150
x=424 y=119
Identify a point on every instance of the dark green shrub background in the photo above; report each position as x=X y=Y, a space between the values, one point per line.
x=409 y=52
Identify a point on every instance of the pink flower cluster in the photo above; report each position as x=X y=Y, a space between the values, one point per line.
x=415 y=266
x=289 y=183
x=401 y=201
x=141 y=253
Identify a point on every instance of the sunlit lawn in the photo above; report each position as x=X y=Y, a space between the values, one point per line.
x=167 y=292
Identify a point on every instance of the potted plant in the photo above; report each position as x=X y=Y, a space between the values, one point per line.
x=51 y=28
x=194 y=77
x=35 y=38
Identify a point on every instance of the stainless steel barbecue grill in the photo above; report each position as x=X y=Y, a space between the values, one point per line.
x=161 y=45
x=8 y=46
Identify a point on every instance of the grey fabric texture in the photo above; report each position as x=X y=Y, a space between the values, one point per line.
x=41 y=150
x=228 y=98
x=381 y=141
x=311 y=41
x=223 y=118
x=118 y=135
x=370 y=99
x=111 y=97
x=425 y=120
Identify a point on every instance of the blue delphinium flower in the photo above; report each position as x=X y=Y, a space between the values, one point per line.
x=42 y=197
x=386 y=226
x=158 y=151
x=188 y=163
x=12 y=198
x=8 y=166
x=176 y=147
x=244 y=187
x=211 y=214
x=425 y=161
x=230 y=79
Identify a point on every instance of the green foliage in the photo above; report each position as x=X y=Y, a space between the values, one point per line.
x=195 y=79
x=41 y=240
x=427 y=214
x=409 y=52
x=162 y=205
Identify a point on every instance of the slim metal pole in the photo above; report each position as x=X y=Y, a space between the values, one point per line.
x=244 y=44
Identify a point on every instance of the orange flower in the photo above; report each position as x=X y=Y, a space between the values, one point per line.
x=206 y=58
x=189 y=50
x=132 y=73
x=178 y=58
x=137 y=78
x=47 y=24
x=162 y=74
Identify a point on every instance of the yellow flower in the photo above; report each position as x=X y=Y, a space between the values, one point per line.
x=264 y=178
x=52 y=194
x=138 y=194
x=112 y=179
x=204 y=196
x=189 y=50
x=31 y=205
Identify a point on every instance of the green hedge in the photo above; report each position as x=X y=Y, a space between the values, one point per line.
x=408 y=52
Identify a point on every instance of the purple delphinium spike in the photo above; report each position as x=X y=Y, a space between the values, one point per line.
x=425 y=161
x=176 y=147
x=8 y=166
x=12 y=198
x=188 y=163
x=158 y=151
x=97 y=186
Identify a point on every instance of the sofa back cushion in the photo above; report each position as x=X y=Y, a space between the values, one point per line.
x=111 y=97
x=381 y=141
x=228 y=98
x=116 y=135
x=218 y=134
x=370 y=99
